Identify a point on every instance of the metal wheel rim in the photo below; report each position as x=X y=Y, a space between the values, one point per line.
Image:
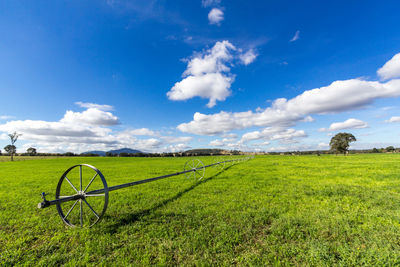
x=64 y=177
x=194 y=164
x=220 y=165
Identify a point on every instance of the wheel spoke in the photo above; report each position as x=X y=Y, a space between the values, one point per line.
x=66 y=178
x=73 y=206
x=95 y=195
x=198 y=162
x=81 y=213
x=90 y=182
x=90 y=207
x=80 y=175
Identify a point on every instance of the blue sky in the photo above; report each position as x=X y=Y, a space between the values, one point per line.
x=174 y=75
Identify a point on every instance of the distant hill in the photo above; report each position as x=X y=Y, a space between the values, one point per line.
x=97 y=152
x=124 y=150
x=114 y=152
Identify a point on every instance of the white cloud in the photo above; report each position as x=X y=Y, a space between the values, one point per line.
x=391 y=69
x=274 y=133
x=222 y=142
x=91 y=116
x=393 y=119
x=214 y=86
x=217 y=142
x=230 y=135
x=176 y=139
x=4 y=136
x=84 y=131
x=96 y=106
x=323 y=145
x=208 y=3
x=337 y=97
x=348 y=124
x=212 y=61
x=248 y=57
x=296 y=36
x=141 y=131
x=208 y=75
x=6 y=117
x=177 y=148
x=55 y=129
x=215 y=16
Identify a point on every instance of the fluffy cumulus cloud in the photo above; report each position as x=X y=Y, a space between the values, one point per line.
x=84 y=131
x=176 y=139
x=348 y=124
x=393 y=119
x=177 y=148
x=337 y=97
x=280 y=134
x=214 y=86
x=141 y=131
x=222 y=142
x=208 y=74
x=391 y=69
x=274 y=133
x=91 y=116
x=215 y=16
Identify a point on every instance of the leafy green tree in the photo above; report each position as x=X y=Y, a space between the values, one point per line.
x=11 y=148
x=31 y=151
x=390 y=149
x=340 y=142
x=375 y=150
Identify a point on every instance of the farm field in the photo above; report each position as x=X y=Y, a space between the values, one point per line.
x=271 y=210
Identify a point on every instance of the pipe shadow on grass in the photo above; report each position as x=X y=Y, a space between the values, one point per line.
x=131 y=218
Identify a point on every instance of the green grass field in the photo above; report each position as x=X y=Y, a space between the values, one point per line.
x=271 y=210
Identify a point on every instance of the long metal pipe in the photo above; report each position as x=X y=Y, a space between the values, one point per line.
x=48 y=203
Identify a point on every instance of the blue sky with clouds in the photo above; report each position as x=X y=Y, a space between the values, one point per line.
x=174 y=75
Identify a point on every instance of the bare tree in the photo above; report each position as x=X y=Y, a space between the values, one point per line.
x=13 y=137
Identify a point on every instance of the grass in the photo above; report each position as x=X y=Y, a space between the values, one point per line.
x=272 y=210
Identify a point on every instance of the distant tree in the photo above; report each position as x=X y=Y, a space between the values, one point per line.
x=12 y=149
x=0 y=153
x=340 y=142
x=390 y=149
x=375 y=150
x=31 y=151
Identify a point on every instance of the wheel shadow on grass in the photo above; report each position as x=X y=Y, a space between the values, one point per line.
x=131 y=218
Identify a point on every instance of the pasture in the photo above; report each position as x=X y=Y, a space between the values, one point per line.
x=271 y=210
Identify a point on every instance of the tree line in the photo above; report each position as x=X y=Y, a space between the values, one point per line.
x=339 y=144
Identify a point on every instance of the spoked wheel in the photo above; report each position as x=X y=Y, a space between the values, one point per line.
x=198 y=169
x=221 y=164
x=88 y=208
